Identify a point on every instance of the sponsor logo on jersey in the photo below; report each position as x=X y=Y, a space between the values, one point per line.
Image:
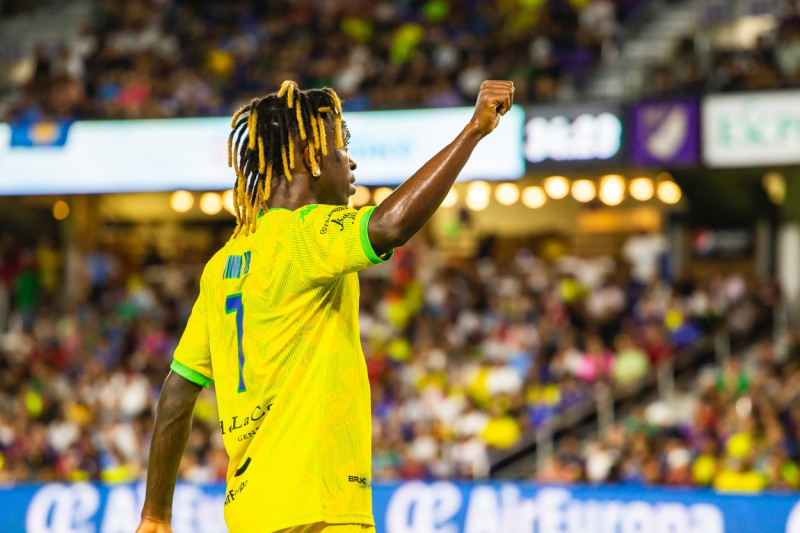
x=234 y=492
x=236 y=422
x=338 y=221
x=363 y=481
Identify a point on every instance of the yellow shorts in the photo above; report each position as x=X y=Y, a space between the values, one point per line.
x=324 y=527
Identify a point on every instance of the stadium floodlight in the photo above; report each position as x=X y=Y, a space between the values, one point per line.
x=181 y=201
x=380 y=194
x=478 y=195
x=669 y=192
x=641 y=189
x=211 y=203
x=451 y=199
x=584 y=190
x=775 y=185
x=612 y=189
x=361 y=196
x=60 y=210
x=556 y=187
x=227 y=201
x=534 y=197
x=507 y=193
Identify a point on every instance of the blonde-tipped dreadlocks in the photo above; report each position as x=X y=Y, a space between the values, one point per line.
x=274 y=124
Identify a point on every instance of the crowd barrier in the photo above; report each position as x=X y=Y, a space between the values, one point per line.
x=422 y=507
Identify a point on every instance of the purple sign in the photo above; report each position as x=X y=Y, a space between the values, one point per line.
x=666 y=133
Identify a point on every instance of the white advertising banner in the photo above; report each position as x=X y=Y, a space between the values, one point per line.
x=164 y=155
x=752 y=129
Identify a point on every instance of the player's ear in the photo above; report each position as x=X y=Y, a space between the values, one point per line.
x=307 y=162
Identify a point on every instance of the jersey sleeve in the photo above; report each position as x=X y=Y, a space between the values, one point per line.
x=192 y=357
x=329 y=241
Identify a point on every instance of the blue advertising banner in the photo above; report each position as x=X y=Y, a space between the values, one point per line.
x=422 y=507
x=665 y=133
x=39 y=134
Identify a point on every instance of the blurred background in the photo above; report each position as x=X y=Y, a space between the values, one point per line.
x=607 y=300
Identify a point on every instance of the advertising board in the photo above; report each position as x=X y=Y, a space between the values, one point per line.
x=665 y=133
x=165 y=155
x=575 y=135
x=751 y=129
x=427 y=507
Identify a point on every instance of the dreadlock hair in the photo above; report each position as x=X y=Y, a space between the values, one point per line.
x=273 y=124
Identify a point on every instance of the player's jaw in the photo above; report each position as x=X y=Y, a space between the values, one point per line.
x=343 y=178
x=335 y=186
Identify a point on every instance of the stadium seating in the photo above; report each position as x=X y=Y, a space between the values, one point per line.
x=468 y=363
x=465 y=361
x=166 y=59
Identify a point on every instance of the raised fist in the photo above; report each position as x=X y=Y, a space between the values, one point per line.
x=494 y=100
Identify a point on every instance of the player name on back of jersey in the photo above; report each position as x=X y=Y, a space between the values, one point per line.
x=236 y=423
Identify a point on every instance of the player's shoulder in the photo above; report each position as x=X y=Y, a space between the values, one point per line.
x=215 y=263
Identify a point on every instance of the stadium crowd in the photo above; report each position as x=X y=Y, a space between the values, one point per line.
x=173 y=58
x=736 y=431
x=466 y=360
x=772 y=62
x=168 y=58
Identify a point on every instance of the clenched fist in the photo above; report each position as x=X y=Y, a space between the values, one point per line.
x=494 y=100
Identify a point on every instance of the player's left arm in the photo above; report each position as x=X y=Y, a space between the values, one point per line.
x=170 y=434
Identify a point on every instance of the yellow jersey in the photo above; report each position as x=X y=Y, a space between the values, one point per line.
x=275 y=327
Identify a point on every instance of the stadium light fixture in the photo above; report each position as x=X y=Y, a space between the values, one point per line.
x=507 y=193
x=211 y=203
x=60 y=210
x=612 y=189
x=478 y=195
x=534 y=197
x=451 y=199
x=227 y=201
x=775 y=186
x=641 y=189
x=584 y=190
x=361 y=196
x=556 y=187
x=669 y=192
x=181 y=201
x=380 y=194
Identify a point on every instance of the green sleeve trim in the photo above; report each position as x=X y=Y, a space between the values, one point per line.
x=192 y=375
x=366 y=245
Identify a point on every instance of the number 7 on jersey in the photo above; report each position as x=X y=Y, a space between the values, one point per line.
x=234 y=303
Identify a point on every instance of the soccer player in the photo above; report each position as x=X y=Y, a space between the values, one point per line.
x=276 y=323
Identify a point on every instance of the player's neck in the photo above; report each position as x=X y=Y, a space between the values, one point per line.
x=293 y=195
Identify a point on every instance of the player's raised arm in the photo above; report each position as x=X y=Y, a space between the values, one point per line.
x=170 y=434
x=410 y=207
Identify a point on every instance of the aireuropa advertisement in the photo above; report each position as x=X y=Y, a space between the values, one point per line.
x=423 y=507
